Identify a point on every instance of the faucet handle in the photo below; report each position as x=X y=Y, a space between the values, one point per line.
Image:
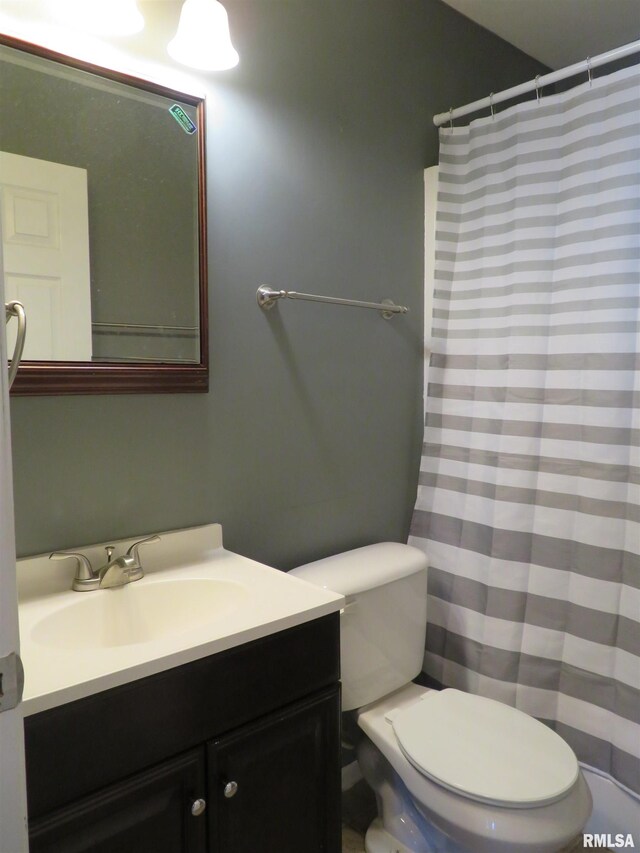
x=85 y=578
x=133 y=550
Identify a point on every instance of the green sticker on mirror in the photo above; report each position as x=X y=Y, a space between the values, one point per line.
x=182 y=118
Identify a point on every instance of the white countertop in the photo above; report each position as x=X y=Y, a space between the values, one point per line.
x=270 y=601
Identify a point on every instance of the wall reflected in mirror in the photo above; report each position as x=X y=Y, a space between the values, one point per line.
x=102 y=211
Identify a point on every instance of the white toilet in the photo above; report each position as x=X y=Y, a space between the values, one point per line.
x=452 y=772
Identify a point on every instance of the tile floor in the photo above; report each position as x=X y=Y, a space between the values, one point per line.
x=352 y=841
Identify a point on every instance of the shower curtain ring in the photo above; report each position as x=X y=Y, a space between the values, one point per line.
x=589 y=76
x=493 y=115
x=450 y=118
x=537 y=81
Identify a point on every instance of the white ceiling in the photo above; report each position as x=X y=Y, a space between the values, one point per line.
x=557 y=32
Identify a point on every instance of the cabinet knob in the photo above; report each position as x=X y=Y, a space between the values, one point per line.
x=197 y=807
x=230 y=789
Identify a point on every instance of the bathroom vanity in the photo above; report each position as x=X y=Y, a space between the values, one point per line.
x=224 y=744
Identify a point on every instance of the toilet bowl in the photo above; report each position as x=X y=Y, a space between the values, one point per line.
x=516 y=788
x=452 y=772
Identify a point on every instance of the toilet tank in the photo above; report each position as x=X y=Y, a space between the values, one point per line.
x=384 y=621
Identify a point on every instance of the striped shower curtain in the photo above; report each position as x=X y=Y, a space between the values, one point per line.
x=528 y=504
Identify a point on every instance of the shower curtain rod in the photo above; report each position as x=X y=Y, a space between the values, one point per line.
x=540 y=81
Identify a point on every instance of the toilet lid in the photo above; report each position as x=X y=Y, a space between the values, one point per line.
x=485 y=750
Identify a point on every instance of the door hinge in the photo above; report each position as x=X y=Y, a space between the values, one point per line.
x=11 y=681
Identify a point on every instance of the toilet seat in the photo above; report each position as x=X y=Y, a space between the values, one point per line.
x=484 y=750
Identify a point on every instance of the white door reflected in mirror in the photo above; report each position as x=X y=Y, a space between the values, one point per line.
x=45 y=241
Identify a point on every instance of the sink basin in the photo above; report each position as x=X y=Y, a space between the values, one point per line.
x=196 y=600
x=138 y=612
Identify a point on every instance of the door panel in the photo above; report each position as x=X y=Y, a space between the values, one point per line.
x=45 y=234
x=149 y=813
x=286 y=770
x=13 y=798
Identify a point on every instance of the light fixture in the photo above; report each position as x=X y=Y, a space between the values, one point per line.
x=203 y=40
x=100 y=17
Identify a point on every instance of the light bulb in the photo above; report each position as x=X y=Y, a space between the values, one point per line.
x=203 y=39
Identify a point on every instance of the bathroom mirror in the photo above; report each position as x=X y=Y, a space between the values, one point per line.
x=102 y=208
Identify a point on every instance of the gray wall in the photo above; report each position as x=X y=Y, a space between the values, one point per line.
x=308 y=441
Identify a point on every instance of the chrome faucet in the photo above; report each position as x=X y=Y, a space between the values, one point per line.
x=125 y=569
x=118 y=571
x=115 y=572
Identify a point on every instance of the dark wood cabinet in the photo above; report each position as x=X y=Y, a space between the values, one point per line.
x=269 y=782
x=148 y=813
x=119 y=771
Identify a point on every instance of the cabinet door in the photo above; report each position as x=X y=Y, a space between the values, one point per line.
x=274 y=786
x=148 y=813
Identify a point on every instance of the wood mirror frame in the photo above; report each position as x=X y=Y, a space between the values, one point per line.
x=80 y=377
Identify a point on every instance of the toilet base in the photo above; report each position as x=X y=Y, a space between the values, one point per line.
x=399 y=827
x=378 y=840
